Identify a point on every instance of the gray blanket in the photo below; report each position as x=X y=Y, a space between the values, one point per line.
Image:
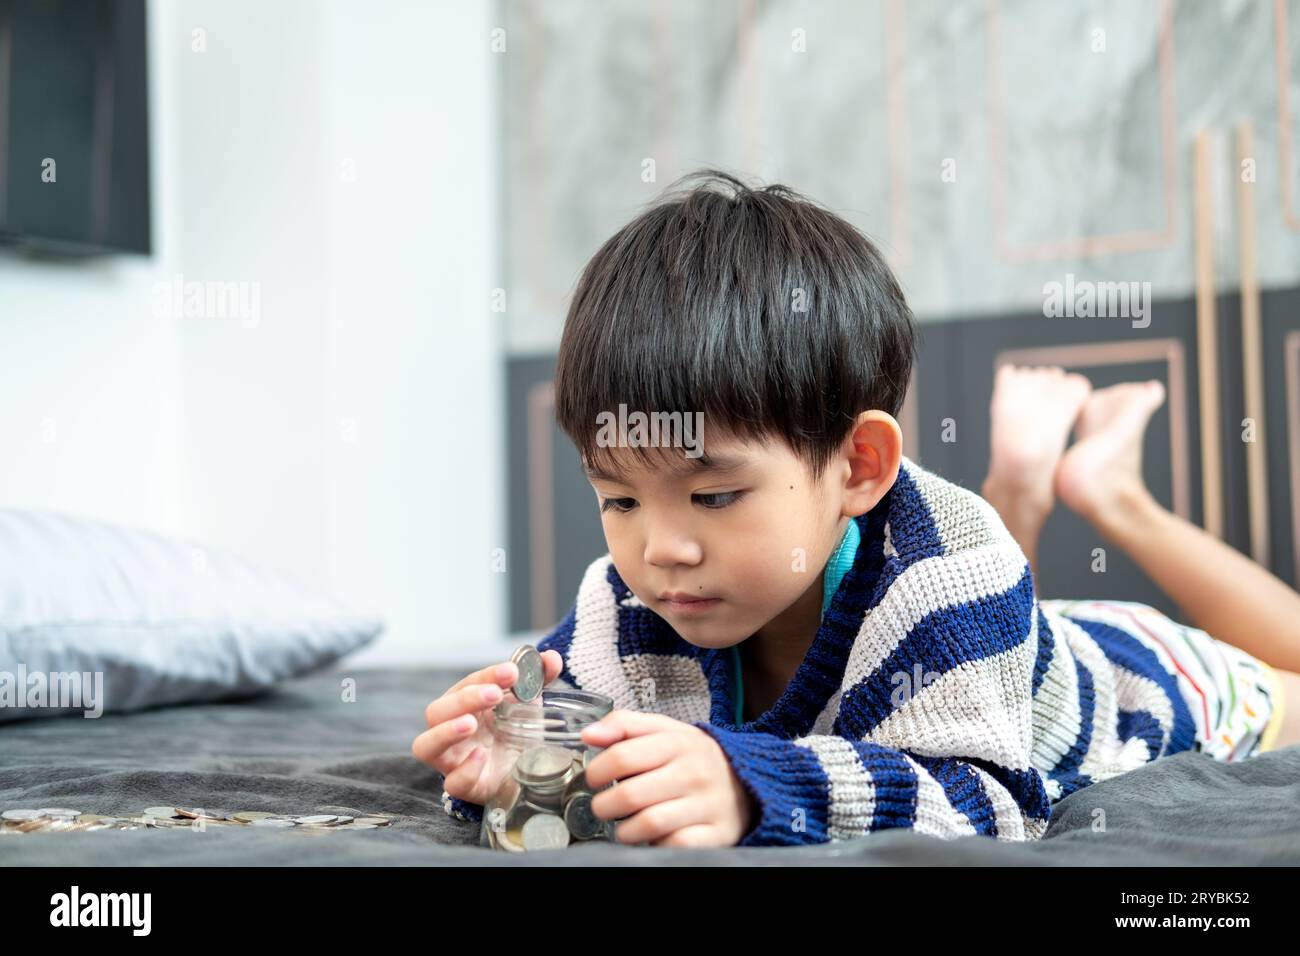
x=303 y=747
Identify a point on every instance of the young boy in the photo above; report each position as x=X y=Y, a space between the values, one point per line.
x=807 y=636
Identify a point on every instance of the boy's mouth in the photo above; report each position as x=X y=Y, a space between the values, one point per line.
x=688 y=603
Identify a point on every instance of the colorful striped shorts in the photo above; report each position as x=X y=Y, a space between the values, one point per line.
x=1236 y=700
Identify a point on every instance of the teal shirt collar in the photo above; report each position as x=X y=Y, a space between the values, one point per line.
x=840 y=562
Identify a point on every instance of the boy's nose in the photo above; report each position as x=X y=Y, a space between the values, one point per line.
x=665 y=547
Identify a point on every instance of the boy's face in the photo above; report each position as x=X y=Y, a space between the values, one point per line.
x=751 y=533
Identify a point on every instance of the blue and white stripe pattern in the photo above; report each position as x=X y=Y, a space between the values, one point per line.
x=937 y=694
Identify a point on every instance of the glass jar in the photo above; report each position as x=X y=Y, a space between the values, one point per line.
x=538 y=754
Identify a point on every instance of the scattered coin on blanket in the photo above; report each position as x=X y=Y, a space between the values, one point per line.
x=61 y=819
x=531 y=672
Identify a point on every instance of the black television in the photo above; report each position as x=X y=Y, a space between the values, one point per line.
x=74 y=126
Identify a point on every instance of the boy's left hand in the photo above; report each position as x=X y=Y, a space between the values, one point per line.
x=675 y=783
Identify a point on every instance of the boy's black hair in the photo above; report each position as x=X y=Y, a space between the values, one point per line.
x=694 y=306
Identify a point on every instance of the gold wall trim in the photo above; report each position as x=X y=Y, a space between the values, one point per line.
x=1252 y=355
x=1207 y=345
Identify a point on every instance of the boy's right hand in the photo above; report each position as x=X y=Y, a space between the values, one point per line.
x=457 y=742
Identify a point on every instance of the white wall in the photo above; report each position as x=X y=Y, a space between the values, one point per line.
x=338 y=158
x=89 y=416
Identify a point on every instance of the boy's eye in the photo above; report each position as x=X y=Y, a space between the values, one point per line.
x=720 y=499
x=717 y=500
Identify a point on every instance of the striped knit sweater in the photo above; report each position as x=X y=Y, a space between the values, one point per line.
x=937 y=695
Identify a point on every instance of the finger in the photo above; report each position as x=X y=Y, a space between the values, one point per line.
x=552 y=664
x=462 y=780
x=470 y=699
x=431 y=746
x=629 y=757
x=634 y=794
x=659 y=821
x=619 y=724
x=697 y=835
x=502 y=674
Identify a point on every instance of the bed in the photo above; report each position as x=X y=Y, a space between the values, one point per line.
x=304 y=746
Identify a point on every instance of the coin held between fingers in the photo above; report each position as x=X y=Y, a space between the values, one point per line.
x=532 y=674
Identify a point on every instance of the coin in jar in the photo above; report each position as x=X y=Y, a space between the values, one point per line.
x=543 y=765
x=580 y=818
x=531 y=672
x=511 y=836
x=578 y=814
x=544 y=831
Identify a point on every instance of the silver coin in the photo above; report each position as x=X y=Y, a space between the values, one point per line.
x=277 y=822
x=167 y=812
x=544 y=831
x=544 y=764
x=252 y=816
x=20 y=815
x=316 y=818
x=376 y=821
x=531 y=672
x=59 y=813
x=581 y=819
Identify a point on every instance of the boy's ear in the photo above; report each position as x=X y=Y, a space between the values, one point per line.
x=873 y=450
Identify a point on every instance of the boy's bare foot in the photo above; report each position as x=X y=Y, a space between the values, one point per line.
x=1032 y=411
x=1104 y=465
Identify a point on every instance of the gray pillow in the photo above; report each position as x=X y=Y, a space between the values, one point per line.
x=96 y=618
